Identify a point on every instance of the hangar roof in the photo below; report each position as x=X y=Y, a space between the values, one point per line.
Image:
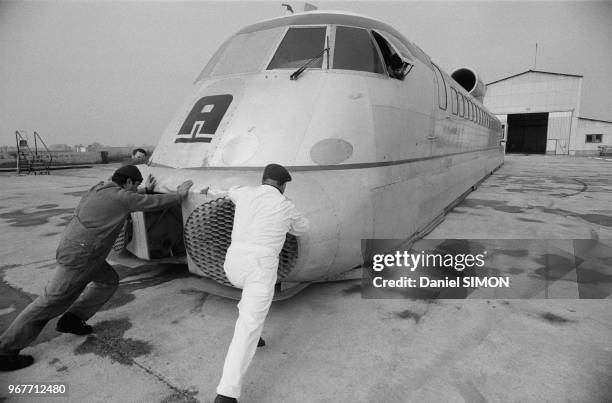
x=594 y=120
x=535 y=71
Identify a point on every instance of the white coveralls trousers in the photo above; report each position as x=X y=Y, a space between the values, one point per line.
x=252 y=268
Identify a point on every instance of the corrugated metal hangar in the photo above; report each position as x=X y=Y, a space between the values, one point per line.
x=540 y=112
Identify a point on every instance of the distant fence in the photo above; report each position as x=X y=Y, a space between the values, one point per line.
x=9 y=159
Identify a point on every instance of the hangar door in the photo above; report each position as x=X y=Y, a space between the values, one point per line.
x=527 y=133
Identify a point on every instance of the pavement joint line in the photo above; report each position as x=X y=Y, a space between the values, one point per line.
x=149 y=371
x=35 y=262
x=19 y=291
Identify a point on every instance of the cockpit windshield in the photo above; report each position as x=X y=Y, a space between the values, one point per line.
x=294 y=47
x=243 y=53
x=299 y=45
x=355 y=50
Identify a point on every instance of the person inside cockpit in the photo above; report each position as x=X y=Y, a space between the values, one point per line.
x=395 y=66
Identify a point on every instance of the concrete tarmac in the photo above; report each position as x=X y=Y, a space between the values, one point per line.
x=162 y=338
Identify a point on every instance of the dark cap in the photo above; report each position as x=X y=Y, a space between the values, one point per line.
x=129 y=171
x=277 y=173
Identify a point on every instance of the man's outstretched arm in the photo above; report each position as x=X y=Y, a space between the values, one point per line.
x=299 y=224
x=139 y=202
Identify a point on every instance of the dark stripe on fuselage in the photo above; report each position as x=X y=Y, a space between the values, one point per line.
x=363 y=165
x=193 y=140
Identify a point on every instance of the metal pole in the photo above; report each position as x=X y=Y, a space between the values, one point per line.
x=18 y=152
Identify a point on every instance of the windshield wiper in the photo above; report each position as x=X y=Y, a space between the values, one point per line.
x=296 y=74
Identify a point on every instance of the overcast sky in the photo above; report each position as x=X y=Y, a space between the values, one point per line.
x=115 y=72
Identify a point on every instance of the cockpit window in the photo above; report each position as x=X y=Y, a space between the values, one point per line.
x=393 y=61
x=354 y=50
x=299 y=46
x=243 y=53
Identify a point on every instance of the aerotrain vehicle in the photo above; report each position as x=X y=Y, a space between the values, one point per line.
x=379 y=141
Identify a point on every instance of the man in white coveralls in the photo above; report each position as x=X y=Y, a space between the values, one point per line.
x=262 y=219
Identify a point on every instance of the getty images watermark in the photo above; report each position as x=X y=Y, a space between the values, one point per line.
x=403 y=260
x=487 y=268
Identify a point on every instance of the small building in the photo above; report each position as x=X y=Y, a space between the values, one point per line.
x=592 y=136
x=540 y=113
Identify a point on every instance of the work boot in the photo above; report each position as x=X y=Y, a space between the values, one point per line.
x=261 y=342
x=14 y=362
x=225 y=399
x=70 y=323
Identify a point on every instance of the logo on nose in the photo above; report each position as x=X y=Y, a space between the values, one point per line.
x=204 y=119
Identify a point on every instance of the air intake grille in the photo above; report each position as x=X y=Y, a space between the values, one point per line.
x=208 y=232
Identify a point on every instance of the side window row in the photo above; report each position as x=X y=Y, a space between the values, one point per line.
x=461 y=106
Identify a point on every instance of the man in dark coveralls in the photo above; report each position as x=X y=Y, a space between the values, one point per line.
x=83 y=281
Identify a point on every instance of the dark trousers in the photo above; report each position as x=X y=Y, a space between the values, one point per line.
x=82 y=283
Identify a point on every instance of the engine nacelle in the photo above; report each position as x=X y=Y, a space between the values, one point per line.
x=470 y=81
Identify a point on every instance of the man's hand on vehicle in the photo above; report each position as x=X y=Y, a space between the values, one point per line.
x=183 y=188
x=149 y=184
